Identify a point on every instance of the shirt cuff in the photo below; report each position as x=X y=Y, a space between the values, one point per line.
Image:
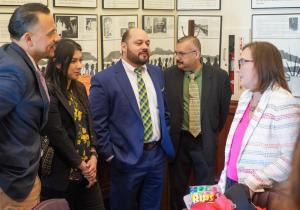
x=110 y=158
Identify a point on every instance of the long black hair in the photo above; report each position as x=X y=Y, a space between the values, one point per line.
x=57 y=68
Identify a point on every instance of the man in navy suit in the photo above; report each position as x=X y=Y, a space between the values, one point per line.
x=135 y=147
x=23 y=104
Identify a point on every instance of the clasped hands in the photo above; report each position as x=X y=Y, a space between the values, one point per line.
x=89 y=170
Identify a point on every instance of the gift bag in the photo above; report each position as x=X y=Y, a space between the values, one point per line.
x=220 y=203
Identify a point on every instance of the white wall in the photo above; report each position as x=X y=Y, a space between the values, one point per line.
x=236 y=20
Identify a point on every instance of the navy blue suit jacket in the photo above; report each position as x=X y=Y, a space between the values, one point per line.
x=116 y=116
x=23 y=113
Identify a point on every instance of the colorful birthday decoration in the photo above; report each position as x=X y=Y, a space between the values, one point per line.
x=204 y=193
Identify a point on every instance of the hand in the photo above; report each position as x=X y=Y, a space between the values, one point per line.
x=91 y=171
x=91 y=166
x=251 y=193
x=83 y=166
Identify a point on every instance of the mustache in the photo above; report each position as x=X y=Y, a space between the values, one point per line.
x=144 y=51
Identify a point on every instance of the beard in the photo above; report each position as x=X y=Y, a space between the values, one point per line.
x=138 y=59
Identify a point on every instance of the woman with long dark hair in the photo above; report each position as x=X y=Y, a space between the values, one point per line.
x=73 y=173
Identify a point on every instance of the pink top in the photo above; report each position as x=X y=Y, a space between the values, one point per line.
x=237 y=144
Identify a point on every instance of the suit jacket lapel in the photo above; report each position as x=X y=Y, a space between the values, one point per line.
x=206 y=87
x=158 y=89
x=178 y=82
x=29 y=63
x=64 y=102
x=257 y=115
x=125 y=85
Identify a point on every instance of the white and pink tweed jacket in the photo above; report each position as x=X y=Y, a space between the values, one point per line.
x=269 y=140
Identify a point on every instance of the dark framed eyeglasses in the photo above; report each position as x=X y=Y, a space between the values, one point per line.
x=242 y=61
x=182 y=54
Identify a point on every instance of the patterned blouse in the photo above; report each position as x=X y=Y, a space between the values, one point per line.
x=83 y=142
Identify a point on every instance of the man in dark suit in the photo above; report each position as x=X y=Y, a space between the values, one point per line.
x=23 y=104
x=198 y=97
x=127 y=103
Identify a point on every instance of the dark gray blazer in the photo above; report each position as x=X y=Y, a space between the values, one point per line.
x=215 y=100
x=23 y=112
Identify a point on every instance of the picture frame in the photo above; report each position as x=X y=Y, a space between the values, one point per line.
x=4 y=34
x=158 y=4
x=75 y=3
x=113 y=27
x=21 y=2
x=282 y=30
x=161 y=31
x=208 y=29
x=267 y=4
x=120 y=4
x=199 y=5
x=82 y=28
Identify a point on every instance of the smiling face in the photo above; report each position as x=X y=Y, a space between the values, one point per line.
x=43 y=37
x=247 y=72
x=136 y=49
x=75 y=66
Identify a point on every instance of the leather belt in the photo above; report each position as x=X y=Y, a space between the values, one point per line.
x=187 y=133
x=150 y=145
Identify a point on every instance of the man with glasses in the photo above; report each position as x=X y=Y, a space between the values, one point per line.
x=24 y=104
x=198 y=97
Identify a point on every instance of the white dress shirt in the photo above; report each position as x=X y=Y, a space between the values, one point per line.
x=151 y=93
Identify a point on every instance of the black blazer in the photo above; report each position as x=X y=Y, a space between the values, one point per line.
x=62 y=132
x=215 y=99
x=23 y=112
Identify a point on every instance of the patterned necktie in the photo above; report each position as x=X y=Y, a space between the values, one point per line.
x=194 y=107
x=144 y=105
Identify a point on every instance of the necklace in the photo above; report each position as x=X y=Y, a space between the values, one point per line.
x=252 y=107
x=254 y=101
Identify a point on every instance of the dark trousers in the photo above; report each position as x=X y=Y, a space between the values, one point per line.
x=138 y=186
x=189 y=156
x=78 y=196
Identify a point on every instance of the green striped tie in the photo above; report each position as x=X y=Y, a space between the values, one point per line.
x=144 y=105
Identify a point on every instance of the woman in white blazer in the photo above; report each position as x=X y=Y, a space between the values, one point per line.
x=266 y=123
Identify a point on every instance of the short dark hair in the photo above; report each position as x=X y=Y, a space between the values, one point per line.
x=24 y=17
x=125 y=36
x=63 y=55
x=192 y=39
x=268 y=64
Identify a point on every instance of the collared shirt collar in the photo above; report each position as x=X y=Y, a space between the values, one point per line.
x=198 y=72
x=33 y=62
x=130 y=67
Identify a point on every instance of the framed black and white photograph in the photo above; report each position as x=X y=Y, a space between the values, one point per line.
x=20 y=2
x=198 y=5
x=4 y=34
x=161 y=31
x=208 y=29
x=120 y=4
x=82 y=29
x=282 y=30
x=75 y=3
x=264 y=4
x=113 y=28
x=159 y=4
